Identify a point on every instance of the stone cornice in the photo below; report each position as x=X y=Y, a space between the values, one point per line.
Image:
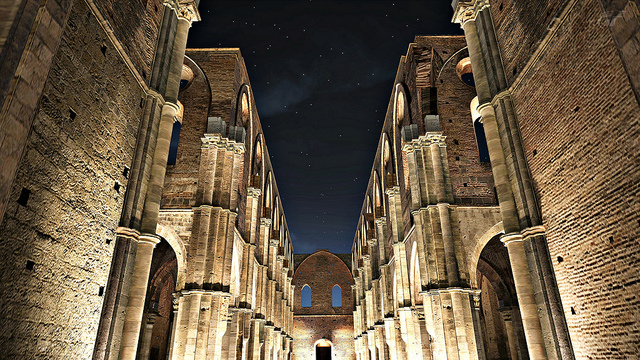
x=219 y=141
x=434 y=137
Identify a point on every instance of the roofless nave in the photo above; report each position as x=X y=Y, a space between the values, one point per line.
x=141 y=218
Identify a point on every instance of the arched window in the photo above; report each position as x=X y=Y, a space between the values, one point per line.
x=336 y=295
x=306 y=296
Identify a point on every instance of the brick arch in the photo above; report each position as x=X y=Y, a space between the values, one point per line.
x=321 y=271
x=178 y=247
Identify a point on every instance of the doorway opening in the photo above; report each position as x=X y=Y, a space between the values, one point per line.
x=323 y=349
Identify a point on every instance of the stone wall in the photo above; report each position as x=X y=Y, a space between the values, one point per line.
x=65 y=202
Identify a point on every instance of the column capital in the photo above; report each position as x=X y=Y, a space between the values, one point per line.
x=510 y=238
x=466 y=10
x=153 y=239
x=218 y=141
x=128 y=233
x=428 y=139
x=393 y=191
x=463 y=12
x=534 y=231
x=253 y=192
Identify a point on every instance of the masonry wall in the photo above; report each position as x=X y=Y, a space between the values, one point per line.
x=56 y=243
x=321 y=271
x=471 y=178
x=581 y=142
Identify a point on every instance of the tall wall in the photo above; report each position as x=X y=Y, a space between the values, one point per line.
x=74 y=91
x=321 y=272
x=581 y=142
x=222 y=216
x=428 y=213
x=560 y=85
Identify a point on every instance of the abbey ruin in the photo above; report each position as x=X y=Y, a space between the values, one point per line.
x=140 y=217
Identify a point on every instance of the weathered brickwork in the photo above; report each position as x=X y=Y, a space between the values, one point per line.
x=25 y=61
x=520 y=26
x=321 y=272
x=583 y=160
x=57 y=246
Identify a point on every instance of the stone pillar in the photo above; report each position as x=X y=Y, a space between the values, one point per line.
x=202 y=323
x=169 y=110
x=526 y=298
x=138 y=291
x=390 y=336
x=147 y=336
x=117 y=295
x=511 y=334
x=477 y=325
x=174 y=325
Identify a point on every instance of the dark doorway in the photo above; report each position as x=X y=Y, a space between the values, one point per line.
x=323 y=352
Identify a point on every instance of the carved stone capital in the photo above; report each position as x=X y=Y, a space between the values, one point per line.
x=253 y=192
x=218 y=141
x=511 y=237
x=463 y=12
x=127 y=233
x=188 y=10
x=393 y=191
x=533 y=231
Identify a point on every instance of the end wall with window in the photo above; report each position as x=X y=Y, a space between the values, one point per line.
x=323 y=305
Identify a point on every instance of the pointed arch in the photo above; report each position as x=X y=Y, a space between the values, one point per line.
x=257 y=162
x=244 y=113
x=400 y=106
x=305 y=298
x=336 y=296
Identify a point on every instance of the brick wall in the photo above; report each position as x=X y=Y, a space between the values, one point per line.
x=321 y=271
x=520 y=25
x=581 y=141
x=308 y=329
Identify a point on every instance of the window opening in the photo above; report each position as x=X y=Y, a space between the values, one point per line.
x=336 y=295
x=481 y=140
x=306 y=296
x=173 y=147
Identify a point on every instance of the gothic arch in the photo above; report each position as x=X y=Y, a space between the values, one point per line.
x=401 y=110
x=178 y=247
x=244 y=110
x=257 y=162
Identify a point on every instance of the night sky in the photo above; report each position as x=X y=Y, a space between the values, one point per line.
x=322 y=74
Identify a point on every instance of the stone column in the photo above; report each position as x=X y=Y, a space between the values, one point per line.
x=147 y=336
x=169 y=110
x=477 y=325
x=511 y=334
x=117 y=295
x=390 y=335
x=174 y=325
x=526 y=297
x=135 y=308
